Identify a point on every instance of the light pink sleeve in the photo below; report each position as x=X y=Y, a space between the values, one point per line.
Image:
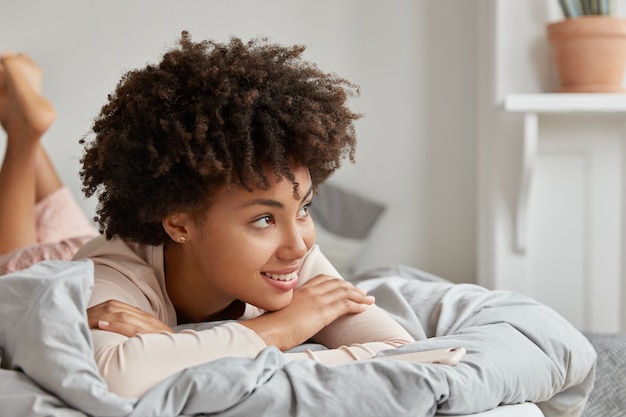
x=131 y=366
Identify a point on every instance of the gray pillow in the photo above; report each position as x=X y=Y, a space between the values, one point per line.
x=343 y=220
x=44 y=334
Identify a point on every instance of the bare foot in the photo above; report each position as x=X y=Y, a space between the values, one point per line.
x=24 y=113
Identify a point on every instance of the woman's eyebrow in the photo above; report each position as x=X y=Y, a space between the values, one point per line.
x=264 y=202
x=308 y=193
x=273 y=203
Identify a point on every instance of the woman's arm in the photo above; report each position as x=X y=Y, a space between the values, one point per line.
x=350 y=327
x=360 y=336
x=351 y=336
x=132 y=365
x=314 y=305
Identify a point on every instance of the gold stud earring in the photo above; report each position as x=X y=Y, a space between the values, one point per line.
x=181 y=239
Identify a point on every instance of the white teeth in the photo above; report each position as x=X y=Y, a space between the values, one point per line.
x=281 y=277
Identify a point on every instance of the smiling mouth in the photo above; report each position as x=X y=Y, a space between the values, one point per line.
x=281 y=277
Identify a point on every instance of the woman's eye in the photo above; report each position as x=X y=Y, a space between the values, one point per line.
x=262 y=222
x=304 y=210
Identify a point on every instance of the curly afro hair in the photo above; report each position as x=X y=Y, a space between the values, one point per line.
x=211 y=114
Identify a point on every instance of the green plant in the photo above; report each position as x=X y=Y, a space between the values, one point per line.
x=577 y=8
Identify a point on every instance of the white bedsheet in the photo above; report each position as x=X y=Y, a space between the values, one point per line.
x=516 y=410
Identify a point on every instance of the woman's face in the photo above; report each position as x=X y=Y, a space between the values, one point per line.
x=249 y=248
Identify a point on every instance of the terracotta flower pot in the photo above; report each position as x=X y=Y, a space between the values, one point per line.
x=590 y=53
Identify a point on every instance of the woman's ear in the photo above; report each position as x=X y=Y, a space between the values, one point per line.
x=177 y=227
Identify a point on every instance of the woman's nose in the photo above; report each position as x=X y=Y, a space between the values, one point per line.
x=296 y=241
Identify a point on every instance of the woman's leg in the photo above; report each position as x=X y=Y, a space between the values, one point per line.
x=26 y=175
x=47 y=178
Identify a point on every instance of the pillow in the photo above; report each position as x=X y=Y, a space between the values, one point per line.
x=44 y=334
x=343 y=221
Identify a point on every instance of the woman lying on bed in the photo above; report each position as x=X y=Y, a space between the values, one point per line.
x=205 y=165
x=203 y=228
x=41 y=220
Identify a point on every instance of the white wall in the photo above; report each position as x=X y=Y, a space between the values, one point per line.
x=414 y=61
x=551 y=200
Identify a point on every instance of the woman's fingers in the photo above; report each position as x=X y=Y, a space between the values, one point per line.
x=119 y=317
x=324 y=299
x=330 y=290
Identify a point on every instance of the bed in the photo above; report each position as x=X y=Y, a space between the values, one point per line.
x=345 y=220
x=523 y=359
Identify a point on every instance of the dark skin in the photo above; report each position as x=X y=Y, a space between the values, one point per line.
x=292 y=317
x=26 y=175
x=119 y=317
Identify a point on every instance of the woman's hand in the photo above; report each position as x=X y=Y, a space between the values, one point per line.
x=116 y=316
x=316 y=304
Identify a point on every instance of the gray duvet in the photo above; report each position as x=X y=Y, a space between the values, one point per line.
x=518 y=351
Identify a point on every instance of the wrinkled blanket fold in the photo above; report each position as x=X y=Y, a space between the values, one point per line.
x=518 y=351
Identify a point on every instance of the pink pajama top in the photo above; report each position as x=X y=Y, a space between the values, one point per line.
x=134 y=274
